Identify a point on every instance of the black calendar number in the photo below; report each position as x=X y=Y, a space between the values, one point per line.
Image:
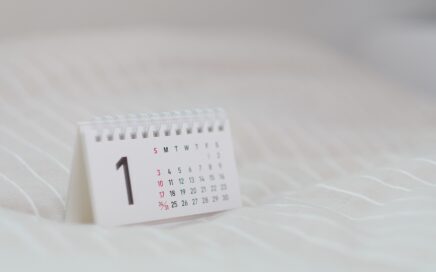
x=123 y=162
x=181 y=181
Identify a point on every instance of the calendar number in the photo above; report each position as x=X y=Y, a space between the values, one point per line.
x=123 y=162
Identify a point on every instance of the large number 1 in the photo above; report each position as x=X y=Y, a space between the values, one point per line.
x=123 y=162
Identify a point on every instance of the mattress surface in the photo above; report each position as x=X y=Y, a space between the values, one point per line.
x=337 y=167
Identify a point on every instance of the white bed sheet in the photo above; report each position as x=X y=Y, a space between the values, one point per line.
x=337 y=167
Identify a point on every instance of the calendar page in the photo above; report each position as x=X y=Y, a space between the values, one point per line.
x=156 y=167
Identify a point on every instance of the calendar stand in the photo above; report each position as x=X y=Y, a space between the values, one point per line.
x=152 y=168
x=79 y=207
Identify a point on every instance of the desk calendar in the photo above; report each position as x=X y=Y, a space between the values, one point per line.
x=151 y=167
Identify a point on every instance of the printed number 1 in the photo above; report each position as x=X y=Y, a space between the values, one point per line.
x=123 y=162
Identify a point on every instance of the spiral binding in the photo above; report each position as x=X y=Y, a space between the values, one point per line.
x=143 y=125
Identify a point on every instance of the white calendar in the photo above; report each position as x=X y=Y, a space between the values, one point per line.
x=151 y=167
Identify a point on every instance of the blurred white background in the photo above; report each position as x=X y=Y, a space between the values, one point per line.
x=395 y=37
